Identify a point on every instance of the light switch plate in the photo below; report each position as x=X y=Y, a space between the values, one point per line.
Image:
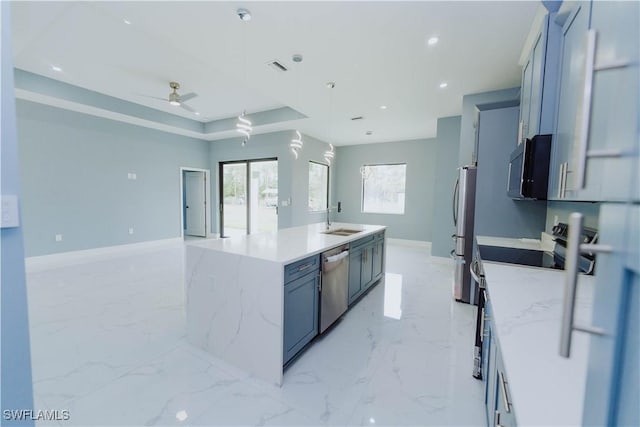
x=9 y=217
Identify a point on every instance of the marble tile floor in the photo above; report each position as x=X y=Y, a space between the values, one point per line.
x=108 y=344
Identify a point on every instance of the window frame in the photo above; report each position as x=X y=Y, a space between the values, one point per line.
x=310 y=210
x=362 y=189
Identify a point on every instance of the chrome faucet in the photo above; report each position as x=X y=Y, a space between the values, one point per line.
x=329 y=209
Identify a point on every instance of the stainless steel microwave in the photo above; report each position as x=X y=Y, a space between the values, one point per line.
x=529 y=169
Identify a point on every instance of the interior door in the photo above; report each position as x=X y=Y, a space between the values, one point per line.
x=195 y=207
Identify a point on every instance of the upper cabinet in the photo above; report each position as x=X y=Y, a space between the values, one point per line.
x=539 y=77
x=596 y=133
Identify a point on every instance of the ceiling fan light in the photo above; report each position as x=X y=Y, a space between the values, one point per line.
x=174 y=98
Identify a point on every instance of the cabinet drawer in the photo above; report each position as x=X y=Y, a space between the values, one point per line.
x=300 y=268
x=361 y=242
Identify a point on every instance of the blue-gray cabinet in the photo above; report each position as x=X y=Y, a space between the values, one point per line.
x=378 y=258
x=572 y=62
x=539 y=80
x=607 y=149
x=301 y=298
x=355 y=273
x=597 y=121
x=612 y=396
x=366 y=264
x=498 y=406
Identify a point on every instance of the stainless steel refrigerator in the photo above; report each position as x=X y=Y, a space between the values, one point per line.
x=464 y=201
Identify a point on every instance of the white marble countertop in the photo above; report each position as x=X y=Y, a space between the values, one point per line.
x=545 y=243
x=545 y=389
x=289 y=244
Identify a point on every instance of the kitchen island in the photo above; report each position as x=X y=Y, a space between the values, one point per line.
x=235 y=297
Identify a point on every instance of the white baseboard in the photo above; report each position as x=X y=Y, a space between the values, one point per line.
x=412 y=243
x=35 y=264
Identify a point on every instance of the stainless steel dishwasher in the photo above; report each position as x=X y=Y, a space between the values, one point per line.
x=334 y=289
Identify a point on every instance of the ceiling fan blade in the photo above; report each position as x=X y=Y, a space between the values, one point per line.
x=186 y=107
x=155 y=97
x=187 y=96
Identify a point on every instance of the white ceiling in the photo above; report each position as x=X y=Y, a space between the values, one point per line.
x=376 y=52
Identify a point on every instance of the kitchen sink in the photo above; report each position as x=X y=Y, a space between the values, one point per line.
x=342 y=232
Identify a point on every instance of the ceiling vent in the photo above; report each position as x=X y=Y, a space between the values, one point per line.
x=277 y=65
x=357 y=118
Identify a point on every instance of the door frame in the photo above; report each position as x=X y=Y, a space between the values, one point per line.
x=247 y=162
x=207 y=197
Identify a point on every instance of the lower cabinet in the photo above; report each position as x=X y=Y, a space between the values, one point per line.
x=355 y=274
x=499 y=410
x=378 y=258
x=366 y=264
x=300 y=313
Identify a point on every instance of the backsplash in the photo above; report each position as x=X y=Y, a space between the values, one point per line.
x=563 y=209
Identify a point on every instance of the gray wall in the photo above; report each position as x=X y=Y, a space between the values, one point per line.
x=448 y=142
x=15 y=360
x=74 y=170
x=562 y=209
x=496 y=214
x=293 y=175
x=469 y=105
x=420 y=157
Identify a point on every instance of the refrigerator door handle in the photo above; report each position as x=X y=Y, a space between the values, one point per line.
x=455 y=202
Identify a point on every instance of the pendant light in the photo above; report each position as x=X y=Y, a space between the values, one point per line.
x=243 y=125
x=296 y=143
x=330 y=153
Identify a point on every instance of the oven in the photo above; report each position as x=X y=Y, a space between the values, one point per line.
x=477 y=273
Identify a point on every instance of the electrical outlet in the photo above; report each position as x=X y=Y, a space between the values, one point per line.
x=130 y=230
x=555 y=220
x=58 y=237
x=134 y=176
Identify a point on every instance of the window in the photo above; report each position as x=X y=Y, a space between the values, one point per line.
x=318 y=187
x=383 y=188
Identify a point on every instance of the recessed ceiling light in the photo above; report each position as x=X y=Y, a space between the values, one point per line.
x=126 y=21
x=369 y=132
x=443 y=85
x=432 y=41
x=56 y=68
x=197 y=113
x=383 y=107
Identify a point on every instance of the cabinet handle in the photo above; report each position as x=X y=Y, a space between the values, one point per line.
x=304 y=267
x=520 y=131
x=564 y=170
x=497 y=417
x=574 y=249
x=584 y=121
x=508 y=180
x=505 y=398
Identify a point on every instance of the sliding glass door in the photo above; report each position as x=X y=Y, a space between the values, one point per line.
x=248 y=197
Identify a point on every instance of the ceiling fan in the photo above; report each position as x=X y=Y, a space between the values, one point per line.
x=176 y=99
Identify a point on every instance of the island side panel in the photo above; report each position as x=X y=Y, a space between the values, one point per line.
x=234 y=308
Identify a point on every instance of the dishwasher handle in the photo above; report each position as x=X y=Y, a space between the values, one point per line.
x=337 y=257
